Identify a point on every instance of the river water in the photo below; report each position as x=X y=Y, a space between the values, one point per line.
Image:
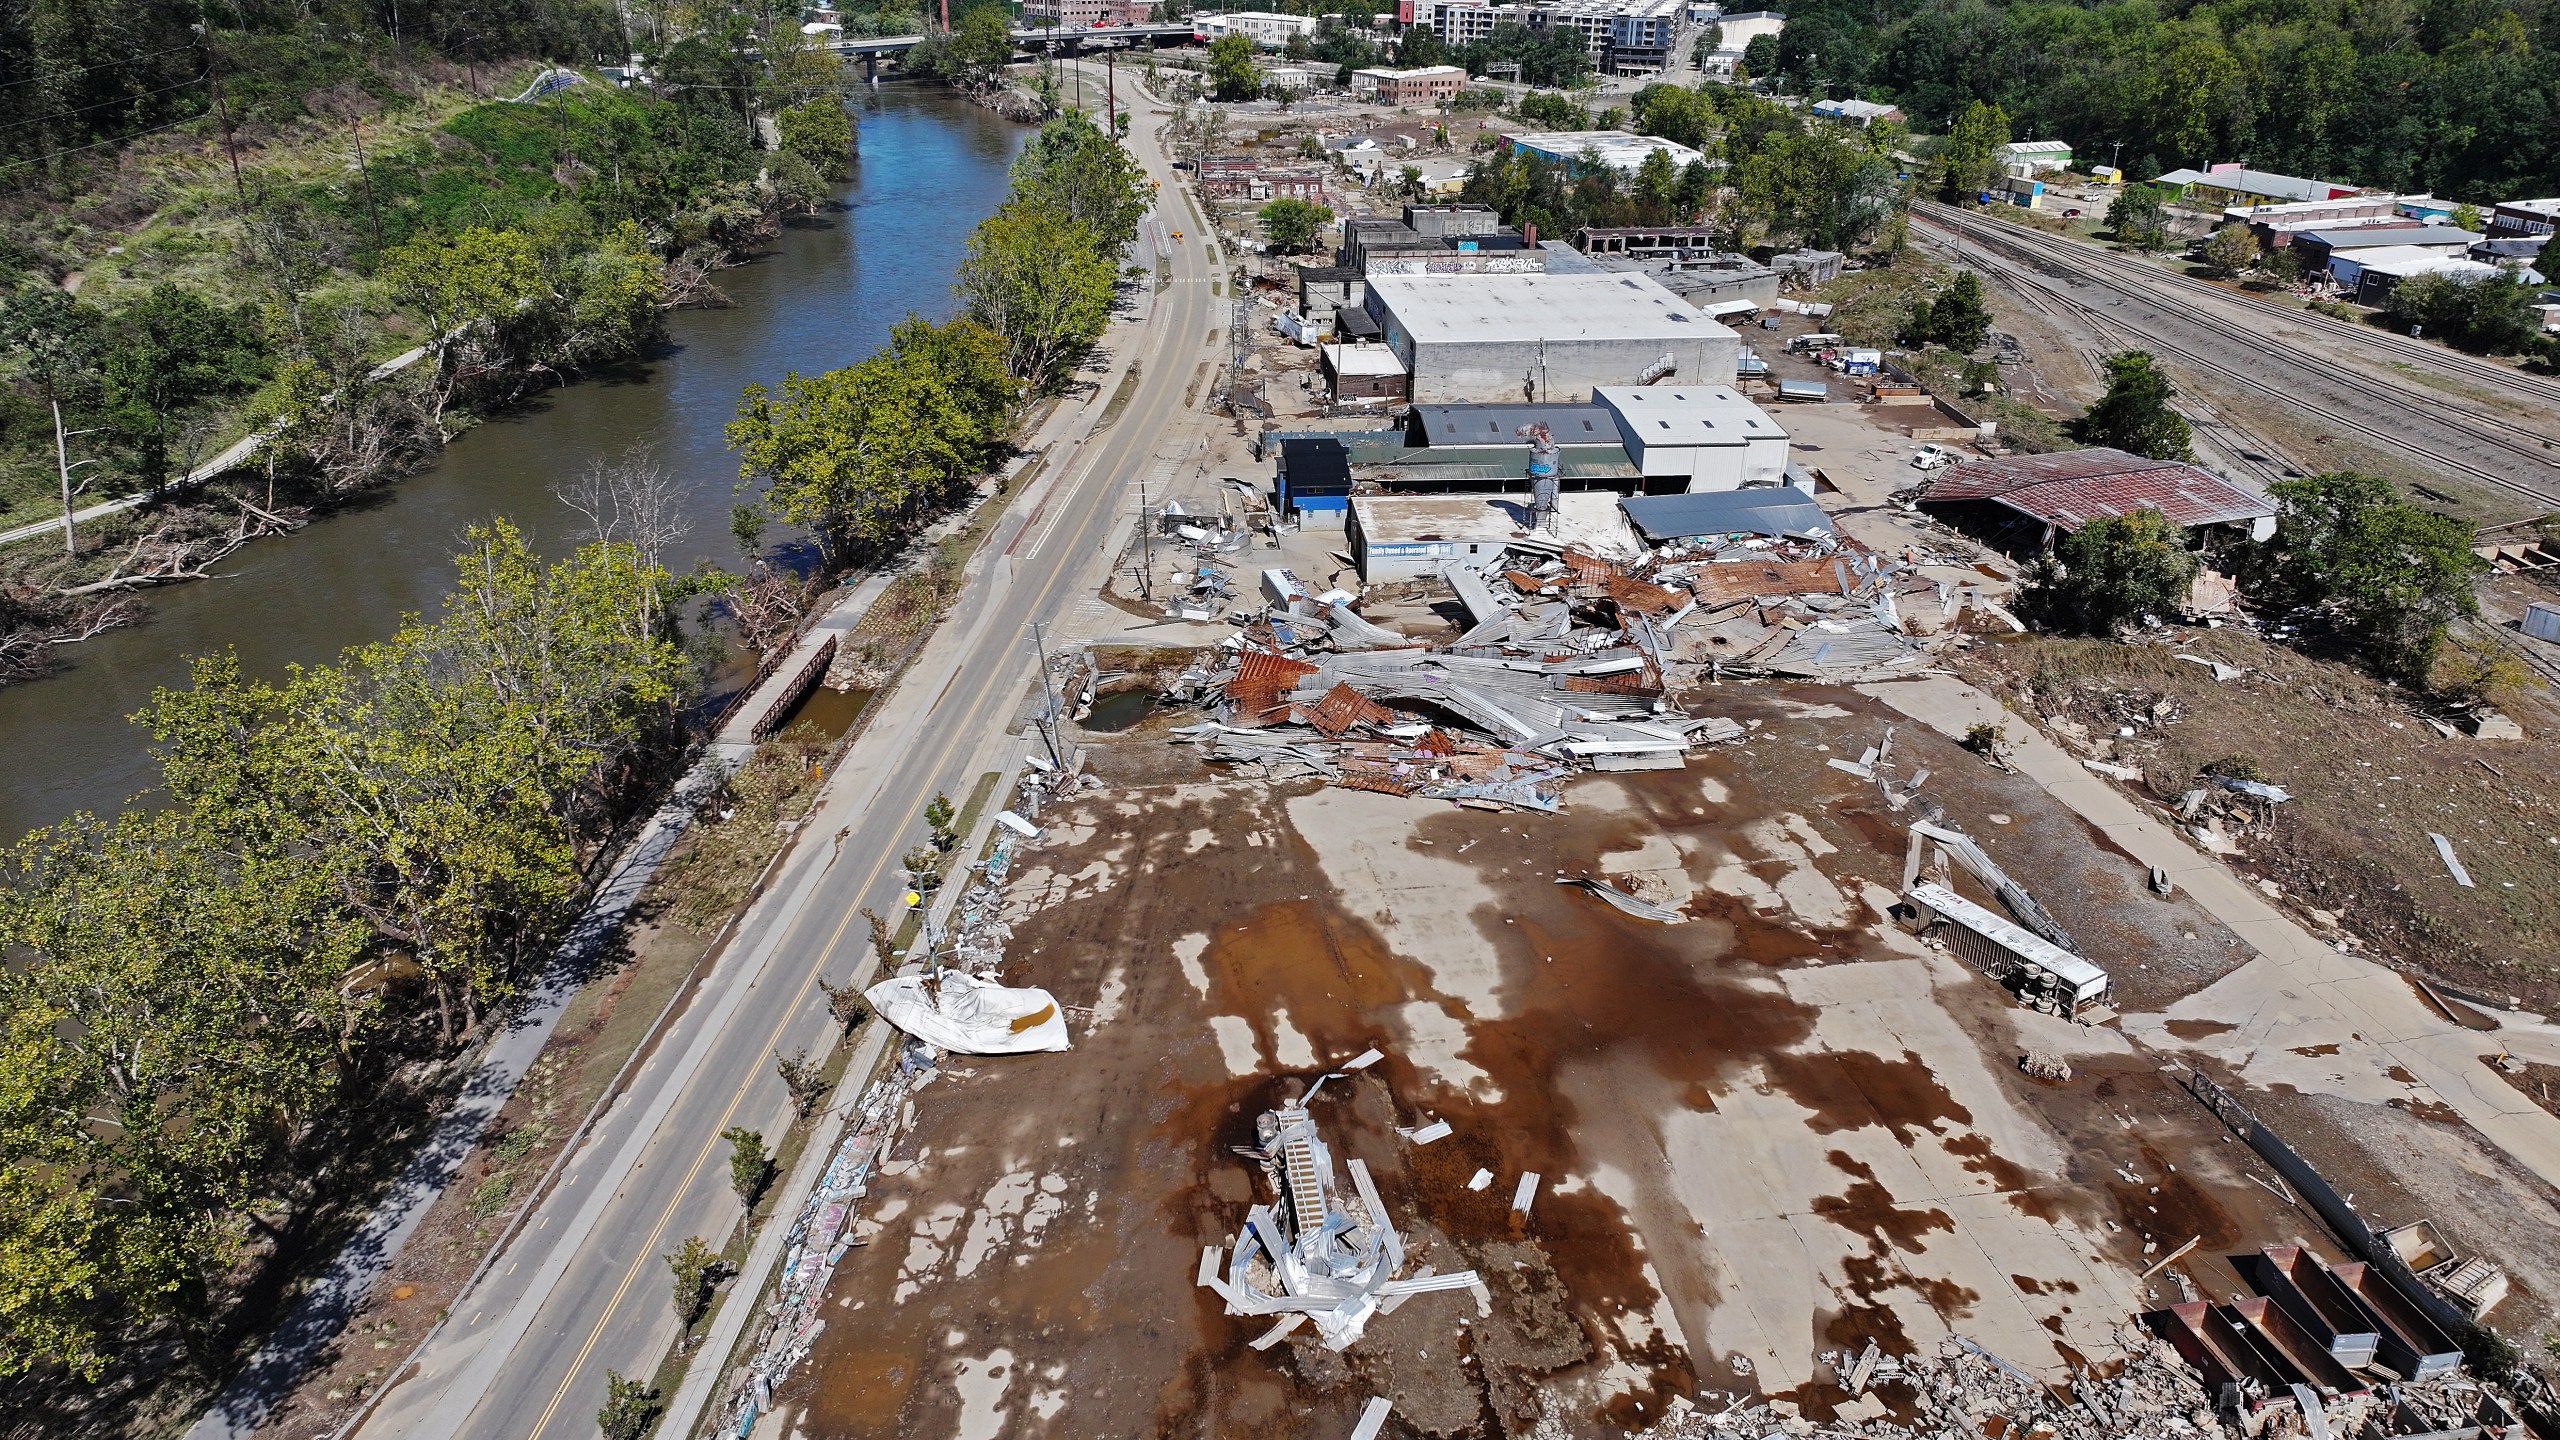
x=932 y=166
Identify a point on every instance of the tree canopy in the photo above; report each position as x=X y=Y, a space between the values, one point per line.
x=2134 y=415
x=1293 y=226
x=2393 y=575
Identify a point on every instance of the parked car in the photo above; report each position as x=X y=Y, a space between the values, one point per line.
x=1934 y=457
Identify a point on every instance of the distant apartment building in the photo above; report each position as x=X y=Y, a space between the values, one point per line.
x=1624 y=37
x=1262 y=27
x=1084 y=14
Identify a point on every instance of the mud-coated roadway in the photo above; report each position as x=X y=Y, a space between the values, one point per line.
x=583 y=1287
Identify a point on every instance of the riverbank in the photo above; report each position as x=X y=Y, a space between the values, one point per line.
x=823 y=293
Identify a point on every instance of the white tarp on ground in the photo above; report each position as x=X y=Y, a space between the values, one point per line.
x=961 y=1012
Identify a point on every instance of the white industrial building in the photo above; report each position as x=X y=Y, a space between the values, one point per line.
x=1264 y=28
x=1617 y=149
x=1539 y=337
x=1410 y=537
x=1708 y=435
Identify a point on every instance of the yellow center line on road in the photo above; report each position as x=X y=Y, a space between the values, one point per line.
x=789 y=1012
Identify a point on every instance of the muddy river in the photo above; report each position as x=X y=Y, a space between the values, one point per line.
x=825 y=294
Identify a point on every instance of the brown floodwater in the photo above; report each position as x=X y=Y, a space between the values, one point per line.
x=824 y=295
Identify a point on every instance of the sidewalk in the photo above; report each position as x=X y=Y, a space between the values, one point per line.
x=2300 y=994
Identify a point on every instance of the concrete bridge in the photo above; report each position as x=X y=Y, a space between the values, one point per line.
x=1028 y=39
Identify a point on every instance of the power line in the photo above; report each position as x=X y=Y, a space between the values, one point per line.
x=100 y=144
x=101 y=65
x=103 y=104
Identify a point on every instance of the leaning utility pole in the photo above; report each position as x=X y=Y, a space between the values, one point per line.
x=1048 y=695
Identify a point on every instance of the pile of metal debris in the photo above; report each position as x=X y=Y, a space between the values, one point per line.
x=1560 y=669
x=1963 y=1390
x=1317 y=1255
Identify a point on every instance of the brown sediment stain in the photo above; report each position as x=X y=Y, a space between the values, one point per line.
x=2401 y=1074
x=2316 y=1051
x=1867 y=1208
x=2435 y=1110
x=1852 y=1089
x=2182 y=1208
x=1580 y=987
x=2006 y=1176
x=2198 y=1029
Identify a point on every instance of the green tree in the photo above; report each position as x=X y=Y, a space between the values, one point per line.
x=1419 y=47
x=59 y=342
x=463 y=293
x=821 y=132
x=2138 y=218
x=1554 y=111
x=1232 y=73
x=1038 y=277
x=750 y=1164
x=1819 y=188
x=1294 y=226
x=939 y=814
x=167 y=355
x=1957 y=317
x=2466 y=217
x=630 y=1407
x=858 y=454
x=1073 y=168
x=693 y=1269
x=1759 y=57
x=2109 y=573
x=2230 y=250
x=1971 y=159
x=982 y=45
x=2394 y=576
x=2134 y=414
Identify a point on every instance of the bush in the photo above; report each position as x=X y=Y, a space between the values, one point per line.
x=2108 y=574
x=2494 y=315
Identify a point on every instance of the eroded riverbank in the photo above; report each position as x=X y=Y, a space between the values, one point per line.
x=823 y=295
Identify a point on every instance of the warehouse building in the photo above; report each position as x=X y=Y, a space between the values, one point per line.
x=1544 y=337
x=1707 y=436
x=2320 y=247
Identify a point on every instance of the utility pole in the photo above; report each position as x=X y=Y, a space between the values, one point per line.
x=222 y=107
x=356 y=128
x=62 y=458
x=1146 y=543
x=1111 y=93
x=1048 y=694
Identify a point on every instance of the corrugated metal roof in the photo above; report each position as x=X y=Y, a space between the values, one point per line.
x=1779 y=510
x=2073 y=487
x=1500 y=424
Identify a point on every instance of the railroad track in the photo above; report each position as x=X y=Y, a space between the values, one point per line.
x=2535 y=390
x=2047 y=267
x=2243 y=449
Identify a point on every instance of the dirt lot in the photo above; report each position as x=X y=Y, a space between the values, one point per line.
x=1780 y=1128
x=2371 y=780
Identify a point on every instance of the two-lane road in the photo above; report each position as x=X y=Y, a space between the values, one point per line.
x=584 y=1287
